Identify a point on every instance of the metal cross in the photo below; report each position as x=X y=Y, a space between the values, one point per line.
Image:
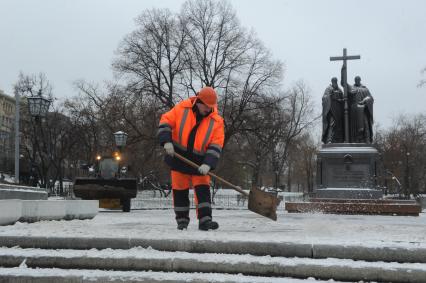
x=344 y=83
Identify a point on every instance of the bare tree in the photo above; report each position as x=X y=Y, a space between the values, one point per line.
x=217 y=42
x=297 y=117
x=116 y=108
x=222 y=54
x=260 y=130
x=33 y=140
x=151 y=56
x=170 y=56
x=49 y=141
x=303 y=156
x=402 y=148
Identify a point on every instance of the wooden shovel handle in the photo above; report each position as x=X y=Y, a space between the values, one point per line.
x=196 y=166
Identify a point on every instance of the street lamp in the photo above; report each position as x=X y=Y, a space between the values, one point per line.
x=120 y=138
x=38 y=107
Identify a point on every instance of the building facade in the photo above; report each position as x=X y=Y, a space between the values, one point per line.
x=7 y=124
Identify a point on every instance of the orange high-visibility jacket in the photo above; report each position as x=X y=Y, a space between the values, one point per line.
x=175 y=126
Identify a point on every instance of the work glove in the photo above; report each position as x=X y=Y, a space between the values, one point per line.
x=168 y=147
x=204 y=169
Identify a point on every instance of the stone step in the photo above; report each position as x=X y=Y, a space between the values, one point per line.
x=141 y=259
x=55 y=275
x=394 y=253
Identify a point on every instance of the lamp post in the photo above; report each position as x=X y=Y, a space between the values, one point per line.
x=38 y=107
x=17 y=110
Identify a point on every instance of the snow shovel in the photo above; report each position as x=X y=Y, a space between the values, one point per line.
x=260 y=202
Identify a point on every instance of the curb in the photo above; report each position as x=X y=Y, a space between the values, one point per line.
x=12 y=210
x=10 y=191
x=386 y=254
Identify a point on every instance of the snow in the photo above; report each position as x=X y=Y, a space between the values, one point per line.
x=20 y=189
x=149 y=253
x=126 y=276
x=348 y=150
x=241 y=225
x=235 y=225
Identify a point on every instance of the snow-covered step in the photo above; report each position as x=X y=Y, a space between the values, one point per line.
x=365 y=252
x=141 y=259
x=54 y=275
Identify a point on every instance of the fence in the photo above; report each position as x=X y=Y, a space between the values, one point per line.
x=222 y=200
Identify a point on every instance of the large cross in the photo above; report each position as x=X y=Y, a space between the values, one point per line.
x=344 y=82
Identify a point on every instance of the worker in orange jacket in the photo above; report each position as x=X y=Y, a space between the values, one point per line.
x=194 y=129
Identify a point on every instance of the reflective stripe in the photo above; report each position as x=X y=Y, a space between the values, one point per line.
x=164 y=125
x=182 y=124
x=160 y=130
x=204 y=219
x=213 y=152
x=181 y=208
x=218 y=147
x=204 y=204
x=209 y=132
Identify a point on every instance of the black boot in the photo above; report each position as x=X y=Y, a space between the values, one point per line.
x=182 y=226
x=208 y=225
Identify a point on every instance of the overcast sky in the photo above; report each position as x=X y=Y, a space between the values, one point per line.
x=70 y=40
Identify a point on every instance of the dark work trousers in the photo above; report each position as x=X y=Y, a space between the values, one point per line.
x=180 y=184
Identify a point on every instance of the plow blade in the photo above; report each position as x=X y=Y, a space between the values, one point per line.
x=94 y=188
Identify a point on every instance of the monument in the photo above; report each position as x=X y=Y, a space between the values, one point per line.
x=346 y=163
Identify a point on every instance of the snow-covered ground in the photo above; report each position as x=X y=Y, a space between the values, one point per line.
x=235 y=225
x=243 y=225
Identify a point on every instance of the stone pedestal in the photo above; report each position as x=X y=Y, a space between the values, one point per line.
x=347 y=171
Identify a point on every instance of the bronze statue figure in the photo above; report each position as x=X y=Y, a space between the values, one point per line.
x=360 y=113
x=332 y=114
x=353 y=112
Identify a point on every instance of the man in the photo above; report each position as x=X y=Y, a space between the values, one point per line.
x=360 y=112
x=332 y=114
x=194 y=129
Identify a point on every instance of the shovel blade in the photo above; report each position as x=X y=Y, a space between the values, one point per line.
x=263 y=203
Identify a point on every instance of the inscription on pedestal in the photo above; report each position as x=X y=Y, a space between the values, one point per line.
x=343 y=176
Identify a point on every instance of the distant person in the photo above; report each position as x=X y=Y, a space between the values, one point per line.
x=332 y=114
x=194 y=129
